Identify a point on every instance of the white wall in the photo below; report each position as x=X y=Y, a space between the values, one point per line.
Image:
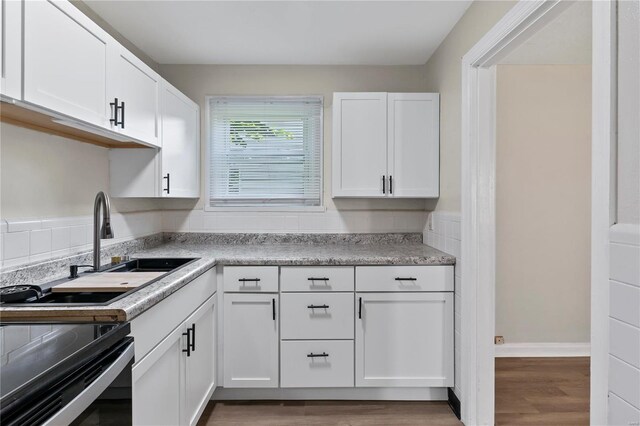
x=443 y=73
x=543 y=187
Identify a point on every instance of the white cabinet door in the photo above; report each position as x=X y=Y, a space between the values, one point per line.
x=359 y=149
x=11 y=48
x=65 y=61
x=404 y=339
x=200 y=364
x=250 y=340
x=136 y=87
x=414 y=147
x=180 y=144
x=158 y=384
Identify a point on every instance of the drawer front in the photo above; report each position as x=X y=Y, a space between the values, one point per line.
x=316 y=364
x=317 y=315
x=404 y=278
x=317 y=278
x=251 y=279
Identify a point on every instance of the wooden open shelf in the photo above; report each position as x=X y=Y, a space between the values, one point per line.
x=27 y=118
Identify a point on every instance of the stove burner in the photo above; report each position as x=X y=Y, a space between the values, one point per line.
x=19 y=293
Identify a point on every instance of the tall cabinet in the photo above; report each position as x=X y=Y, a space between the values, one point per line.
x=386 y=145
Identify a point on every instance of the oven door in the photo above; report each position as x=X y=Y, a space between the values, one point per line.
x=107 y=399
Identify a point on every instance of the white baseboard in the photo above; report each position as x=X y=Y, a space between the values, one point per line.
x=542 y=350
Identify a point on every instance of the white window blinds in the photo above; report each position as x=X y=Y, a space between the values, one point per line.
x=265 y=151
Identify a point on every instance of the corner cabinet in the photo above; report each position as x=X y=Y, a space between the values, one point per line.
x=174 y=170
x=386 y=145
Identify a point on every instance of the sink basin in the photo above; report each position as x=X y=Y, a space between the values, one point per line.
x=151 y=265
x=62 y=298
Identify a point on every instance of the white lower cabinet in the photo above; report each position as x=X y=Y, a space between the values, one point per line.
x=251 y=340
x=174 y=381
x=404 y=339
x=317 y=363
x=201 y=361
x=158 y=384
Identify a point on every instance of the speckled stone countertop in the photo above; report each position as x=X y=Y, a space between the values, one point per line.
x=239 y=249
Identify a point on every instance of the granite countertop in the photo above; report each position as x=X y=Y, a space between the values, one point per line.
x=243 y=250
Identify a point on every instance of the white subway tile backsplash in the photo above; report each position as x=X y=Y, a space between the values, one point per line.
x=60 y=239
x=55 y=237
x=23 y=225
x=16 y=245
x=40 y=241
x=78 y=236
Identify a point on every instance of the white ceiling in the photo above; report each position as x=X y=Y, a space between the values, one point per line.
x=565 y=40
x=284 y=32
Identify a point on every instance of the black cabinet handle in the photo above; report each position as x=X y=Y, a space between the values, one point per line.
x=318 y=279
x=168 y=188
x=318 y=306
x=405 y=279
x=390 y=184
x=273 y=308
x=247 y=280
x=384 y=183
x=114 y=112
x=360 y=308
x=122 y=118
x=193 y=337
x=322 y=355
x=188 y=334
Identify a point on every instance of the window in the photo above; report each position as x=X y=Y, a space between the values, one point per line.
x=265 y=151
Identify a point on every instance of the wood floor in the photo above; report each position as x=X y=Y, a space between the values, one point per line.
x=542 y=391
x=529 y=391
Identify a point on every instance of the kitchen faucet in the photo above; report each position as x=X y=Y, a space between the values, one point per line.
x=101 y=232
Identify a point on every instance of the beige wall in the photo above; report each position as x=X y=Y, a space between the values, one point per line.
x=443 y=74
x=197 y=81
x=543 y=184
x=44 y=176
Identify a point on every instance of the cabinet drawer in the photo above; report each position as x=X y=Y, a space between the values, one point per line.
x=317 y=278
x=317 y=364
x=404 y=278
x=251 y=279
x=317 y=315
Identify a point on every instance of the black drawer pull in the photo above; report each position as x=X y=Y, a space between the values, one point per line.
x=273 y=308
x=244 y=280
x=318 y=279
x=322 y=355
x=193 y=337
x=360 y=308
x=188 y=334
x=318 y=306
x=406 y=279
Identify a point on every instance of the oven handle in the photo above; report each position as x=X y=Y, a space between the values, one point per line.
x=77 y=405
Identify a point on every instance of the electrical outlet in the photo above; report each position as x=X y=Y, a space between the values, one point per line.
x=430 y=222
x=499 y=340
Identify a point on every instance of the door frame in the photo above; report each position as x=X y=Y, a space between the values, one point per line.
x=478 y=198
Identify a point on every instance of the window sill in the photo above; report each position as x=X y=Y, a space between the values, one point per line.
x=275 y=209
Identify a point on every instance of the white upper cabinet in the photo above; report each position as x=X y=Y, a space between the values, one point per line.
x=133 y=90
x=65 y=61
x=413 y=144
x=359 y=144
x=11 y=49
x=386 y=145
x=174 y=170
x=180 y=122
